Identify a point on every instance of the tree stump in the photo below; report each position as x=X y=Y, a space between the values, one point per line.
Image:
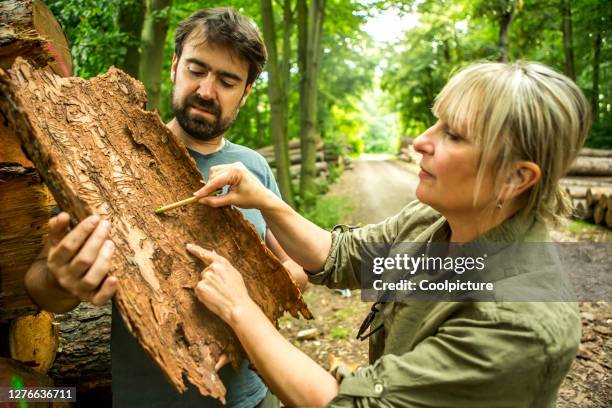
x=100 y=152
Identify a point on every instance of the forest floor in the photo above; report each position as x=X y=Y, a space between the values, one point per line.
x=378 y=187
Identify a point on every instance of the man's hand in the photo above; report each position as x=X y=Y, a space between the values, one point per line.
x=78 y=260
x=222 y=289
x=245 y=191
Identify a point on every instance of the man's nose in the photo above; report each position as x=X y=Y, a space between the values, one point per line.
x=207 y=87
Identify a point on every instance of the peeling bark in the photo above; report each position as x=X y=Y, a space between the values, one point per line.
x=101 y=152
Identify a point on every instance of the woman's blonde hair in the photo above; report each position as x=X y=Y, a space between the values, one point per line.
x=520 y=111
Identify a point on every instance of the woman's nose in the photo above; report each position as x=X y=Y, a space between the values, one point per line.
x=423 y=143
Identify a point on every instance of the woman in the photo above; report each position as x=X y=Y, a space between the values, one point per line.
x=505 y=135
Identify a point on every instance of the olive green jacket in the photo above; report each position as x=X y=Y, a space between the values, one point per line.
x=453 y=354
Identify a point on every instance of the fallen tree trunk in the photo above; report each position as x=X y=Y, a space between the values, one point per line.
x=592 y=166
x=599 y=212
x=581 y=209
x=100 y=152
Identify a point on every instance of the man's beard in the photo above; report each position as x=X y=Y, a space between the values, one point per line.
x=197 y=126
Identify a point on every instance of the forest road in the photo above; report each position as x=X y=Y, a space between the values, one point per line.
x=378 y=186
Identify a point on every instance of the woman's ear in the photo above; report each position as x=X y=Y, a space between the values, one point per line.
x=523 y=176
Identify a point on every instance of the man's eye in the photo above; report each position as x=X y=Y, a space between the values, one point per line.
x=196 y=73
x=226 y=84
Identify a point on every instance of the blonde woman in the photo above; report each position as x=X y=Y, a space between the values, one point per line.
x=490 y=169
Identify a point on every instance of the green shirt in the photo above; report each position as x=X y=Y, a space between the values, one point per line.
x=453 y=354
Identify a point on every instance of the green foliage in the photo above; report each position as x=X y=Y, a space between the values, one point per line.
x=93 y=36
x=328 y=211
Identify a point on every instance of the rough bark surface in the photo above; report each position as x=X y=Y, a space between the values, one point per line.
x=83 y=357
x=592 y=166
x=100 y=152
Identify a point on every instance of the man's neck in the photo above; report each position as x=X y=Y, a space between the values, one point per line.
x=200 y=146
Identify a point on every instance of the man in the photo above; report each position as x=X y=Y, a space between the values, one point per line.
x=218 y=56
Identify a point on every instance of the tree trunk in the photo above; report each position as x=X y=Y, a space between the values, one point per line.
x=30 y=30
x=595 y=88
x=585 y=151
x=505 y=20
x=130 y=20
x=100 y=152
x=568 y=38
x=33 y=340
x=153 y=40
x=596 y=194
x=308 y=132
x=278 y=104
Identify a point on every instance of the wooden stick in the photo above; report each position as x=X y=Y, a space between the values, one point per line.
x=181 y=203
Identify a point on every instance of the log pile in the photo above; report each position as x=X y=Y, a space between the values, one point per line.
x=326 y=156
x=39 y=341
x=590 y=186
x=100 y=152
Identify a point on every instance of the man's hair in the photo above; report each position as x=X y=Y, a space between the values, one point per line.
x=225 y=27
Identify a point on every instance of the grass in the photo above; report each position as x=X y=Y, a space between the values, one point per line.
x=339 y=333
x=328 y=211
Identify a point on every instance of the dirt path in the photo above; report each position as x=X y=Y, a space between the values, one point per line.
x=378 y=188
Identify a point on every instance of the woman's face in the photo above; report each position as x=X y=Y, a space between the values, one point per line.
x=448 y=172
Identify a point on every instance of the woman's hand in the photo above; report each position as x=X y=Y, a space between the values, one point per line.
x=222 y=289
x=245 y=191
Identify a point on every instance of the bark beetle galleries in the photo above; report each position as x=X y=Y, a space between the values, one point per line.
x=100 y=152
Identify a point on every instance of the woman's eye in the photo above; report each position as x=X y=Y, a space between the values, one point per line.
x=452 y=137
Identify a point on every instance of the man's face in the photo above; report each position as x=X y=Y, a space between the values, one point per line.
x=209 y=89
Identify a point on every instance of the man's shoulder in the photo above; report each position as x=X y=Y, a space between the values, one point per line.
x=246 y=153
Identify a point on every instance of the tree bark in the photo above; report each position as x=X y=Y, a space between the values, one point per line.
x=33 y=340
x=130 y=20
x=100 y=152
x=278 y=103
x=568 y=38
x=308 y=131
x=153 y=40
x=585 y=151
x=505 y=20
x=83 y=358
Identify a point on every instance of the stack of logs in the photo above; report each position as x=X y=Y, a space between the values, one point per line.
x=589 y=184
x=324 y=158
x=35 y=346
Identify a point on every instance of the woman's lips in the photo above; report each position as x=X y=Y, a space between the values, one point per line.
x=425 y=174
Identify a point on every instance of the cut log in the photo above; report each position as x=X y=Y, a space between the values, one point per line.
x=33 y=340
x=576 y=191
x=295 y=157
x=269 y=150
x=586 y=181
x=295 y=169
x=100 y=152
x=593 y=195
x=29 y=29
x=591 y=166
x=609 y=217
x=581 y=209
x=83 y=358
x=599 y=213
x=596 y=152
x=25 y=211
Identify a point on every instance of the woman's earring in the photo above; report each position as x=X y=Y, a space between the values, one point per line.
x=499 y=204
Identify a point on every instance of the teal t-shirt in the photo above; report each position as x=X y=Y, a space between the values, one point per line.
x=137 y=381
